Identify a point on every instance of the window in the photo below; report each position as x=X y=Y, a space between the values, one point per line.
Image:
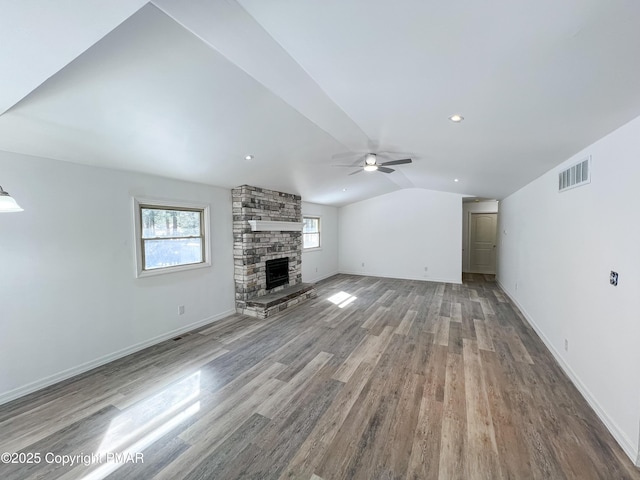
x=311 y=232
x=170 y=236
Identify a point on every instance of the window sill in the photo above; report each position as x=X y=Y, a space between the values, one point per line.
x=168 y=270
x=314 y=249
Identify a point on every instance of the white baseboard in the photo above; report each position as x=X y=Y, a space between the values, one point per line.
x=321 y=277
x=384 y=275
x=620 y=437
x=71 y=372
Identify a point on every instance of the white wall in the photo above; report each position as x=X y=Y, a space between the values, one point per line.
x=399 y=234
x=558 y=248
x=69 y=298
x=467 y=208
x=322 y=263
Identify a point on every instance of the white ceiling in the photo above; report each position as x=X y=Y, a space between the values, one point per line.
x=186 y=89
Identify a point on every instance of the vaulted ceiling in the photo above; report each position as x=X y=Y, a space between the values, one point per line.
x=187 y=88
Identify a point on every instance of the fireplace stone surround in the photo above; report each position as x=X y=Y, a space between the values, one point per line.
x=257 y=212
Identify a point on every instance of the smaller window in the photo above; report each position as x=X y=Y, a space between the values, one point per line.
x=311 y=232
x=170 y=236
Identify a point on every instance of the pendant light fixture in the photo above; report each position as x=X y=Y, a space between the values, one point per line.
x=8 y=204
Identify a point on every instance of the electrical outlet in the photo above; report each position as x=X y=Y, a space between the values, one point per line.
x=566 y=345
x=426 y=269
x=613 y=278
x=181 y=310
x=363 y=264
x=316 y=269
x=516 y=285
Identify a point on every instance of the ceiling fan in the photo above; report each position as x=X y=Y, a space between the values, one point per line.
x=369 y=163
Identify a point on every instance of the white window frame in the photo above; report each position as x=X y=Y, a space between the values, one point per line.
x=164 y=204
x=319 y=247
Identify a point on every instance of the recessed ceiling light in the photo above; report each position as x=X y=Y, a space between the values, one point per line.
x=344 y=189
x=248 y=157
x=456 y=180
x=456 y=118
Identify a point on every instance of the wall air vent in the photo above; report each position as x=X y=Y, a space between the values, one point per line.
x=575 y=176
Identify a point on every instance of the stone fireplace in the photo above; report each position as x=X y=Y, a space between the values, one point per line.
x=267 y=227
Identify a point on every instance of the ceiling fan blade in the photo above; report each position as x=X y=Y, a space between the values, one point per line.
x=385 y=169
x=357 y=171
x=346 y=155
x=347 y=166
x=387 y=153
x=359 y=161
x=397 y=162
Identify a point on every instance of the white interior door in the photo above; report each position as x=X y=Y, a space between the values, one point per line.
x=482 y=242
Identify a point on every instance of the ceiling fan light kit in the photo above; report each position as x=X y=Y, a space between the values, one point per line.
x=7 y=203
x=370 y=168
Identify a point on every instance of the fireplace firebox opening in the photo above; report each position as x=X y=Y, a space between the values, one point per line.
x=277 y=272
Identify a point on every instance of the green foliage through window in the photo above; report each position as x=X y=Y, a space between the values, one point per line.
x=171 y=236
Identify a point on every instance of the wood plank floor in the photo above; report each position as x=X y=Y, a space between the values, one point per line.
x=408 y=380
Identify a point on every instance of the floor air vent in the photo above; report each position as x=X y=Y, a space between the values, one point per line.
x=575 y=175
